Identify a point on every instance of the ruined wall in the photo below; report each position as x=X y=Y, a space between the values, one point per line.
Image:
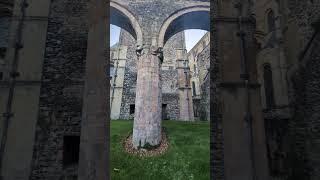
x=304 y=80
x=304 y=127
x=63 y=74
x=292 y=136
x=169 y=93
x=271 y=53
x=5 y=15
x=168 y=76
x=130 y=75
x=203 y=63
x=204 y=79
x=304 y=133
x=118 y=59
x=199 y=61
x=61 y=90
x=216 y=128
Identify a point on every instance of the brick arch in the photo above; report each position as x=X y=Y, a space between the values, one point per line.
x=122 y=17
x=194 y=17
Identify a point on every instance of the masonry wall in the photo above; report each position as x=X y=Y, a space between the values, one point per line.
x=216 y=127
x=118 y=59
x=199 y=60
x=130 y=75
x=292 y=136
x=304 y=146
x=168 y=76
x=169 y=93
x=18 y=150
x=61 y=92
x=204 y=79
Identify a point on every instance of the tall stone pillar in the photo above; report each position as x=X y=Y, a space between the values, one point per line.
x=184 y=88
x=148 y=108
x=93 y=157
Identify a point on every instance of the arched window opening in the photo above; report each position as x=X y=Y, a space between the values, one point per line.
x=194 y=88
x=271 y=21
x=125 y=30
x=112 y=71
x=268 y=86
x=121 y=17
x=189 y=18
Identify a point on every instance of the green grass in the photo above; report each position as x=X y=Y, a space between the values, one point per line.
x=187 y=158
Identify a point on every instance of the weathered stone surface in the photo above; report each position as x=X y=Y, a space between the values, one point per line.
x=199 y=60
x=147 y=118
x=60 y=106
x=291 y=136
x=4 y=31
x=168 y=72
x=217 y=152
x=62 y=88
x=204 y=76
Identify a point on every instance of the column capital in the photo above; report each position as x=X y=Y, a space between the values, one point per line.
x=153 y=50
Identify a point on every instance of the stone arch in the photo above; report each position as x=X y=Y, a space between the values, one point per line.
x=122 y=17
x=263 y=59
x=194 y=17
x=271 y=21
x=267 y=14
x=268 y=85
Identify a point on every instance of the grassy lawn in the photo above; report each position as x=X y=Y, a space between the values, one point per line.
x=187 y=158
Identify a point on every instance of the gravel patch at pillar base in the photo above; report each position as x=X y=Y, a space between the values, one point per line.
x=156 y=151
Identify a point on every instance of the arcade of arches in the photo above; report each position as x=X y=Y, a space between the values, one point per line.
x=264 y=84
x=123 y=82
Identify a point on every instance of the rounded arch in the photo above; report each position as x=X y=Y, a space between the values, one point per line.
x=123 y=18
x=194 y=17
x=269 y=19
x=268 y=85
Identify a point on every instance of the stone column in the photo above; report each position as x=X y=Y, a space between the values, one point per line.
x=148 y=108
x=93 y=158
x=185 y=94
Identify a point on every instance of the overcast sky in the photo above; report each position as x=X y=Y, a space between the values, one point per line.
x=192 y=36
x=114 y=34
